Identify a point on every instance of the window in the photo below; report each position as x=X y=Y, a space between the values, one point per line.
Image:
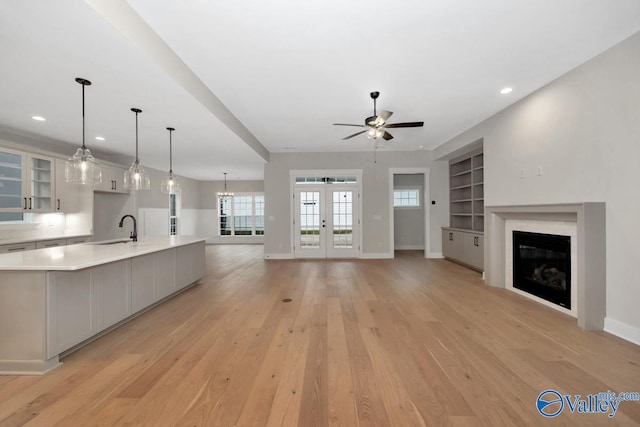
x=406 y=198
x=241 y=214
x=173 y=215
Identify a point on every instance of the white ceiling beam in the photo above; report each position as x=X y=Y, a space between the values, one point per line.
x=127 y=21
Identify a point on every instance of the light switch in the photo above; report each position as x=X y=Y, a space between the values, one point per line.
x=539 y=170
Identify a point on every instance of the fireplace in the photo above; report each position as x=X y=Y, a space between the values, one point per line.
x=542 y=266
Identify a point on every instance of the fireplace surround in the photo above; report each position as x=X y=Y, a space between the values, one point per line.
x=589 y=218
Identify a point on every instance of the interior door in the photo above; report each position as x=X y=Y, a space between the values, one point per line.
x=326 y=222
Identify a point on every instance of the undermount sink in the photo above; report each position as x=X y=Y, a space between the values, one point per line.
x=111 y=242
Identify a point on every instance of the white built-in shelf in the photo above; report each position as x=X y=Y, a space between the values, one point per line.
x=466 y=192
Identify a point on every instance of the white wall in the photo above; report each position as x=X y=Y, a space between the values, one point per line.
x=584 y=130
x=376 y=199
x=408 y=222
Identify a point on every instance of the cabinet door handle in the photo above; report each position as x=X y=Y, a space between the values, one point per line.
x=16 y=249
x=29 y=202
x=58 y=208
x=451 y=237
x=25 y=203
x=50 y=245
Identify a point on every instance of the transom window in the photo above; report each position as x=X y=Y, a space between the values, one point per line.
x=406 y=197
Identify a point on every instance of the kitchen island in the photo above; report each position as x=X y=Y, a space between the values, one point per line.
x=55 y=299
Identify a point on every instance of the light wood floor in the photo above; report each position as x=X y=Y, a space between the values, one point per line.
x=406 y=342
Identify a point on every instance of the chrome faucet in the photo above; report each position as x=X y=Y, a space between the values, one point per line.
x=134 y=233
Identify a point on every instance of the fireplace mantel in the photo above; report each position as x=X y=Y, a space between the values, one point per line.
x=592 y=278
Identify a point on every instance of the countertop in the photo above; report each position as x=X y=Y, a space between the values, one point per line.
x=77 y=257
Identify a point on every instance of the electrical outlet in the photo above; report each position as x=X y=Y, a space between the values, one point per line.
x=539 y=170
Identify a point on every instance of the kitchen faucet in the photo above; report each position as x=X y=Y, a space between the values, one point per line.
x=134 y=233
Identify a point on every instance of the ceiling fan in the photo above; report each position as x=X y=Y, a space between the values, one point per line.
x=376 y=126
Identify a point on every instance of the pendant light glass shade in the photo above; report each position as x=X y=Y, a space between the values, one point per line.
x=225 y=193
x=136 y=178
x=170 y=183
x=82 y=167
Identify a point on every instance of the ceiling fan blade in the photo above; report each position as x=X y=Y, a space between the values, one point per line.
x=378 y=120
x=348 y=124
x=405 y=125
x=387 y=136
x=355 y=134
x=385 y=115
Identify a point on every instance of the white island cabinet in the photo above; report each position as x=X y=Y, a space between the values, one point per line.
x=54 y=299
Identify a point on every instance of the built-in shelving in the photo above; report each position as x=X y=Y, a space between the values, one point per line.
x=466 y=192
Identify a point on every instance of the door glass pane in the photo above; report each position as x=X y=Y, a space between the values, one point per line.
x=342 y=219
x=41 y=183
x=310 y=219
x=10 y=182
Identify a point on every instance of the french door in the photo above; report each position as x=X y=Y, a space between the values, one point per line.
x=326 y=222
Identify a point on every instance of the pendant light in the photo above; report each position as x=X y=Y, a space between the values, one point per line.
x=82 y=168
x=136 y=178
x=225 y=193
x=170 y=184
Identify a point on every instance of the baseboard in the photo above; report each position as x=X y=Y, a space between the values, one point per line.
x=372 y=255
x=435 y=255
x=28 y=367
x=278 y=256
x=409 y=247
x=622 y=330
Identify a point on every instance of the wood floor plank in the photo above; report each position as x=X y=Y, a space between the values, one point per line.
x=406 y=341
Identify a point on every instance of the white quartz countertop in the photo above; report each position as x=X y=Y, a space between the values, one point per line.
x=77 y=257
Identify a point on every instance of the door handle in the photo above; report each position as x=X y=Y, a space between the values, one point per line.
x=25 y=203
x=58 y=204
x=29 y=202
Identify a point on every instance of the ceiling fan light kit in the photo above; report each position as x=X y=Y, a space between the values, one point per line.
x=376 y=125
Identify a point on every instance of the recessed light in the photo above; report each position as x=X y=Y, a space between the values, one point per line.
x=100 y=138
x=506 y=90
x=421 y=146
x=39 y=118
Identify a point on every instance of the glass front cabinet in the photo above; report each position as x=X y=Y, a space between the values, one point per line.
x=26 y=182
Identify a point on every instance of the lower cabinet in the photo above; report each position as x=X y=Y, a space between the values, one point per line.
x=142 y=282
x=464 y=247
x=70 y=314
x=85 y=302
x=112 y=284
x=166 y=272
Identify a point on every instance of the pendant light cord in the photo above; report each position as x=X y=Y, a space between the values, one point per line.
x=170 y=152
x=84 y=148
x=137 y=110
x=137 y=161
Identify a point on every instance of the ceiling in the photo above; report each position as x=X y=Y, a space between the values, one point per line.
x=241 y=80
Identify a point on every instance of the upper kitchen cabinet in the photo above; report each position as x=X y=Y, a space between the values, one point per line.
x=26 y=182
x=66 y=192
x=112 y=179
